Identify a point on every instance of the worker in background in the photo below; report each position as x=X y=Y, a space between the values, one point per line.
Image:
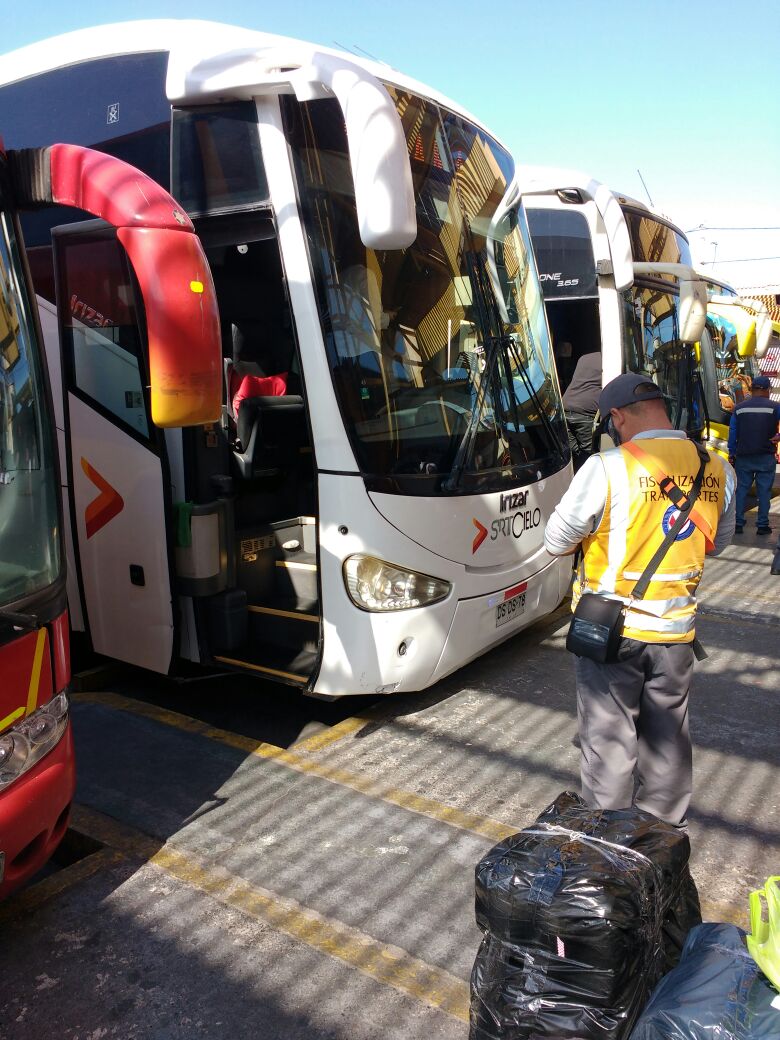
x=753 y=438
x=633 y=711
x=580 y=403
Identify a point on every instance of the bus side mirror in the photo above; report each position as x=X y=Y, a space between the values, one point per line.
x=693 y=296
x=693 y=309
x=185 y=349
x=763 y=334
x=378 y=153
x=763 y=325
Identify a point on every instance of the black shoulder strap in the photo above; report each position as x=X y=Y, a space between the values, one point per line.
x=644 y=581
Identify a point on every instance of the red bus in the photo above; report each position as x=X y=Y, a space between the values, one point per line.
x=175 y=293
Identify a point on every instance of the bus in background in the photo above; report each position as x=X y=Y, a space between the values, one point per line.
x=736 y=336
x=617 y=278
x=368 y=514
x=770 y=362
x=156 y=243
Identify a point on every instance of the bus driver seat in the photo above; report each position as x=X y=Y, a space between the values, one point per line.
x=266 y=424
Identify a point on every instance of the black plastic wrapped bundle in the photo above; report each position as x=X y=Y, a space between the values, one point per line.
x=668 y=848
x=521 y=994
x=717 y=992
x=576 y=907
x=682 y=913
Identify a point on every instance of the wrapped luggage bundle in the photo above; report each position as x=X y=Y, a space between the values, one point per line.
x=584 y=911
x=716 y=991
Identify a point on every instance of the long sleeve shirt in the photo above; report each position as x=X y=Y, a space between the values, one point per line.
x=754 y=422
x=579 y=512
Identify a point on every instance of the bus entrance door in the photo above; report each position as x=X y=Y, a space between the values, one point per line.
x=116 y=461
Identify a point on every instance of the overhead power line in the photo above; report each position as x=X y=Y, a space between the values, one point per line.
x=703 y=227
x=741 y=260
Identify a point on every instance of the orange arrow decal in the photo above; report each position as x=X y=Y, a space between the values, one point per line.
x=103 y=508
x=480 y=536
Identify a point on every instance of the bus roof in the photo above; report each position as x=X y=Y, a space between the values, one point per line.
x=203 y=48
x=546 y=180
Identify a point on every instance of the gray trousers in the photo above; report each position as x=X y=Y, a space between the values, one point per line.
x=633 y=716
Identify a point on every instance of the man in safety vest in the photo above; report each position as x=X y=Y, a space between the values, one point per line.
x=633 y=713
x=753 y=441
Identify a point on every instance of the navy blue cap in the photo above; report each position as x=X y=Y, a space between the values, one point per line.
x=628 y=388
x=761 y=383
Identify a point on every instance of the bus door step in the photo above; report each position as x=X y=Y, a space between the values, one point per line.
x=284 y=664
x=291 y=623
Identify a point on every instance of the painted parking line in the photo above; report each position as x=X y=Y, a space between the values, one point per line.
x=382 y=711
x=389 y=965
x=484 y=826
x=494 y=830
x=345 y=728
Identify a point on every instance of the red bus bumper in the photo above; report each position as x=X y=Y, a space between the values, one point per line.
x=34 y=814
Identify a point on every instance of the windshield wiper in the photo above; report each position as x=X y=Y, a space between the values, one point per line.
x=491 y=327
x=19 y=619
x=554 y=442
x=491 y=346
x=495 y=343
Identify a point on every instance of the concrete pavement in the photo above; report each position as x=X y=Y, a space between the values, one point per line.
x=325 y=889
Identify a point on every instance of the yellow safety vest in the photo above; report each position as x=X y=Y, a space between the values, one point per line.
x=636 y=518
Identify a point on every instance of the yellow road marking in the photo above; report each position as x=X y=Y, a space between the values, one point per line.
x=34 y=896
x=333 y=734
x=292 y=564
x=362 y=783
x=387 y=964
x=484 y=826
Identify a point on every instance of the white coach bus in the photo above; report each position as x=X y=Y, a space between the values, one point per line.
x=737 y=334
x=368 y=514
x=617 y=278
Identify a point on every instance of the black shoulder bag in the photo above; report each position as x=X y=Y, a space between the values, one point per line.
x=597 y=623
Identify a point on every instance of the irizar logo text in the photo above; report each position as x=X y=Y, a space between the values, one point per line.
x=521 y=520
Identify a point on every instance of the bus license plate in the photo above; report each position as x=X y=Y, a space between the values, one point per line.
x=508 y=611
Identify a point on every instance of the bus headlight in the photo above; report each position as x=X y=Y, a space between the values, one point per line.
x=25 y=744
x=375 y=585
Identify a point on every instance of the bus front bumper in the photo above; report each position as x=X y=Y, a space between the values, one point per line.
x=483 y=622
x=34 y=814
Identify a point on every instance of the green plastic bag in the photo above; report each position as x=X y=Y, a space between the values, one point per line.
x=764 y=942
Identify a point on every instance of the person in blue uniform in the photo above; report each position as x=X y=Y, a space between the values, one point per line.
x=753 y=438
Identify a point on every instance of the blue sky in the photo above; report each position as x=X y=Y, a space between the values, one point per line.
x=688 y=92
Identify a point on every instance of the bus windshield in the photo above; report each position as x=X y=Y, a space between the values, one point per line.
x=439 y=353
x=652 y=347
x=29 y=517
x=651 y=327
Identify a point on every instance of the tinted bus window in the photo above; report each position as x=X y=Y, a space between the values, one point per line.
x=29 y=517
x=652 y=241
x=564 y=253
x=216 y=163
x=101 y=332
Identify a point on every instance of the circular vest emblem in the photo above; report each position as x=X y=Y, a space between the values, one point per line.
x=669 y=518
